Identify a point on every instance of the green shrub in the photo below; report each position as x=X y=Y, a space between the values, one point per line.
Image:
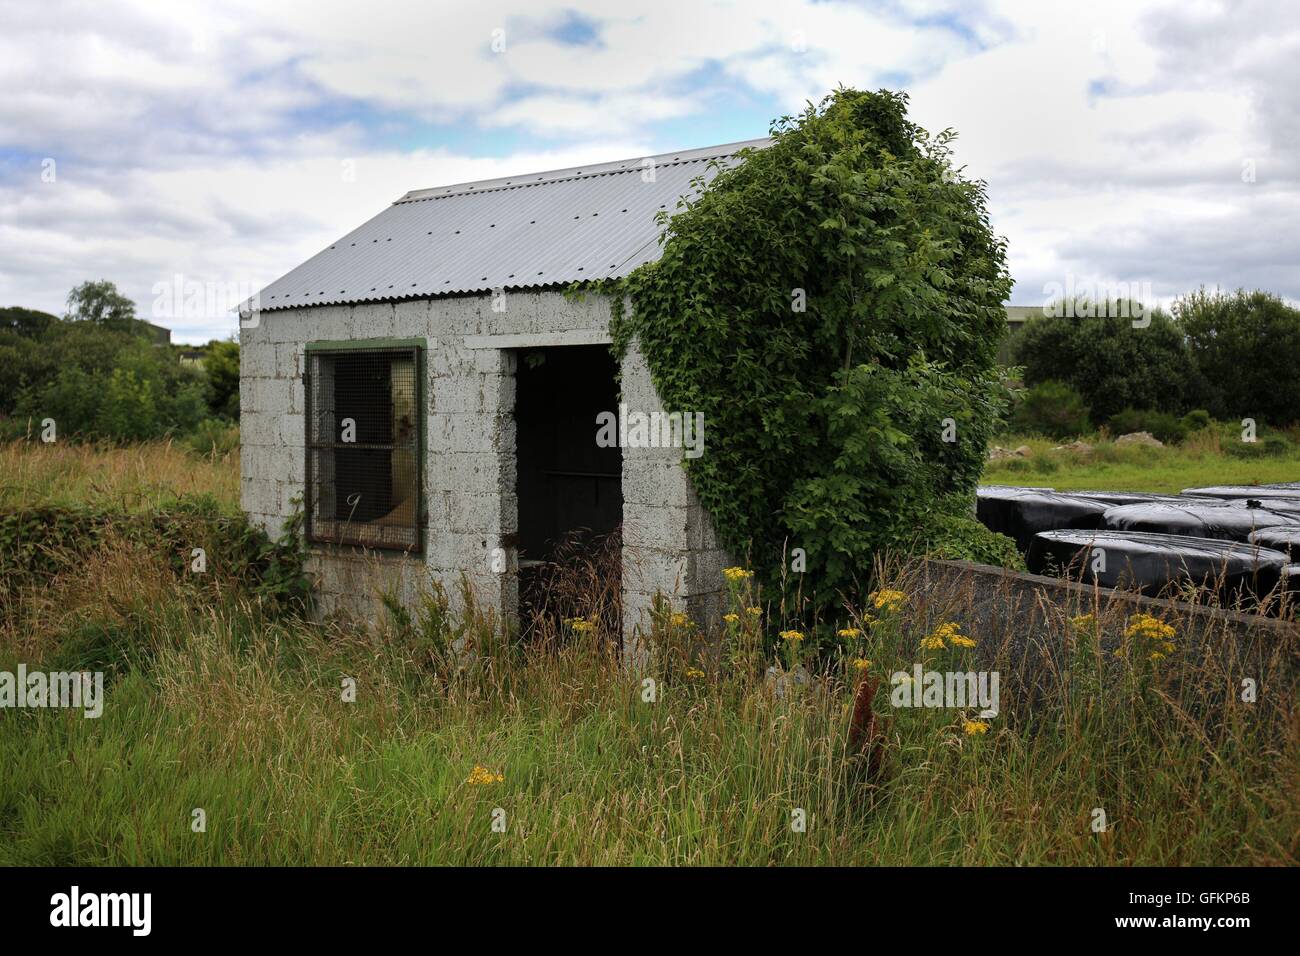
x=963 y=538
x=221 y=365
x=1044 y=463
x=1196 y=420
x=141 y=394
x=1164 y=426
x=1266 y=445
x=833 y=306
x=213 y=437
x=37 y=543
x=1112 y=364
x=99 y=376
x=1247 y=347
x=1050 y=408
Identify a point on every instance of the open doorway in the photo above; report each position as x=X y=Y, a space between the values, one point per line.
x=570 y=490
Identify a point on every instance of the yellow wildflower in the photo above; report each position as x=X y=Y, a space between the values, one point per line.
x=887 y=599
x=736 y=574
x=581 y=625
x=731 y=618
x=481 y=776
x=860 y=663
x=973 y=727
x=849 y=633
x=754 y=611
x=694 y=673
x=1084 y=622
x=681 y=620
x=793 y=636
x=1151 y=634
x=949 y=632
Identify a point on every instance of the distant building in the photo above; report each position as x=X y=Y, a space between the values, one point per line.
x=157 y=334
x=1017 y=316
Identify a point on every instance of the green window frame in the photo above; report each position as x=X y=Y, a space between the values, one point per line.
x=364 y=443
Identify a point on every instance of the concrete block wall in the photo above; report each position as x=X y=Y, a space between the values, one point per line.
x=1020 y=620
x=669 y=545
x=469 y=475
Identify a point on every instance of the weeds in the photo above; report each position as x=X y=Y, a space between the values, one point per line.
x=403 y=740
x=677 y=758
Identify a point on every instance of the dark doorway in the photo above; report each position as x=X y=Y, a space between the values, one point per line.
x=570 y=490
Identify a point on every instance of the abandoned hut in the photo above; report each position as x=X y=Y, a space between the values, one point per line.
x=429 y=394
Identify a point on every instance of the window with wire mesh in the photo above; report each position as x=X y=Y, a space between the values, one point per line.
x=363 y=447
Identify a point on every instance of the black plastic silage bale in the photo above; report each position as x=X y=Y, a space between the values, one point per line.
x=1279 y=539
x=1020 y=513
x=1280 y=490
x=1125 y=497
x=1152 y=563
x=1227 y=520
x=1291 y=580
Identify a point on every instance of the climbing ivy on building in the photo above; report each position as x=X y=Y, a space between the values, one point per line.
x=833 y=305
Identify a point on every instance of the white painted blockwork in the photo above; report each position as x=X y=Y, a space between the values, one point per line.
x=469 y=473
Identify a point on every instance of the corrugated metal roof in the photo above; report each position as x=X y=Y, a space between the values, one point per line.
x=525 y=231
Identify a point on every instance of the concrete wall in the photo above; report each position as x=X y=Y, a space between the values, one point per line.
x=470 y=473
x=1021 y=617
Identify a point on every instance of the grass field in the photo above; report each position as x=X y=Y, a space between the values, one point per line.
x=134 y=478
x=1135 y=468
x=218 y=702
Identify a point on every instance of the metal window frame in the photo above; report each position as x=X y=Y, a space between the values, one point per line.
x=415 y=348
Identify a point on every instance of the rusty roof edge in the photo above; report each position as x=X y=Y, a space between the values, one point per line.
x=633 y=164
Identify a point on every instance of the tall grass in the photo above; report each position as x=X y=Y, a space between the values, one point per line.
x=143 y=477
x=224 y=706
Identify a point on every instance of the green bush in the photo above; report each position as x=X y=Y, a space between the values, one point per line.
x=37 y=543
x=1267 y=444
x=1168 y=428
x=97 y=381
x=1247 y=347
x=98 y=374
x=963 y=538
x=221 y=364
x=1112 y=364
x=1197 y=420
x=213 y=437
x=833 y=306
x=1050 y=408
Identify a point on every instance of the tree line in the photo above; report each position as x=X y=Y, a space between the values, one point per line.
x=1220 y=355
x=99 y=373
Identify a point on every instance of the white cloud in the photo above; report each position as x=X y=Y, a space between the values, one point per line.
x=208 y=138
x=239 y=221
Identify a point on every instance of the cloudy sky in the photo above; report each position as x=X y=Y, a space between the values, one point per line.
x=1151 y=144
